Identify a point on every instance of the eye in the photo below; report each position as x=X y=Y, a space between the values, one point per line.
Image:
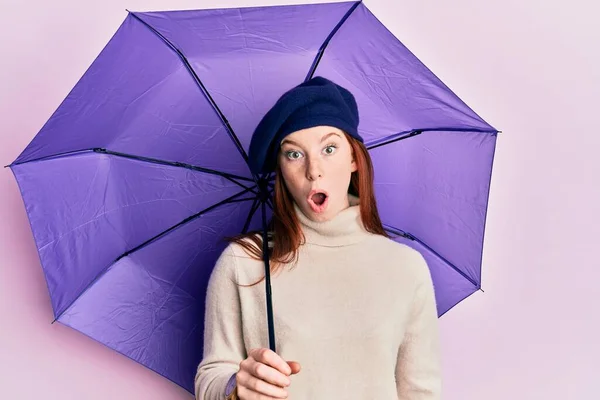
x=293 y=154
x=330 y=149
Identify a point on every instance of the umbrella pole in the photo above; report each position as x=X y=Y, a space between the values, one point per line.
x=267 y=276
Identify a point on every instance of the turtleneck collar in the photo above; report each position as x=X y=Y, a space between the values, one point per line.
x=344 y=229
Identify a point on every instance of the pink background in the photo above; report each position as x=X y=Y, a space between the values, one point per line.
x=532 y=69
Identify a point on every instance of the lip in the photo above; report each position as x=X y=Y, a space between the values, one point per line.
x=315 y=207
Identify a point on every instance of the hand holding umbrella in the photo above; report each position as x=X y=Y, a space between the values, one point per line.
x=264 y=373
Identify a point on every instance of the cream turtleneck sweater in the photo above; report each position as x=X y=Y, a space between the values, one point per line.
x=358 y=313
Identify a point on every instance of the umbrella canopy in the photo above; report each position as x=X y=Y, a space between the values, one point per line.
x=135 y=179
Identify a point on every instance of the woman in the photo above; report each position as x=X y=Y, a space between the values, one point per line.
x=354 y=311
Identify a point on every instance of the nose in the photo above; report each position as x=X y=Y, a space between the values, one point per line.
x=314 y=170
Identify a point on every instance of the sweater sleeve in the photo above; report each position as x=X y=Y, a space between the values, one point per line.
x=223 y=342
x=418 y=369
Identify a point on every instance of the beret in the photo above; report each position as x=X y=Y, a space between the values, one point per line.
x=318 y=101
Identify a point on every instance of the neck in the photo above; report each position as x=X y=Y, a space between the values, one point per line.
x=343 y=229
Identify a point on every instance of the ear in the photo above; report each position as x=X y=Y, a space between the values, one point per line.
x=354 y=166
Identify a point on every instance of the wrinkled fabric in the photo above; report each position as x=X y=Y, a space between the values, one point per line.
x=132 y=183
x=357 y=312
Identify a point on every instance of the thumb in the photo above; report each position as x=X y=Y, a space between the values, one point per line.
x=295 y=366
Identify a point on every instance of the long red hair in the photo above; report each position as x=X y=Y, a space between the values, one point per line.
x=284 y=227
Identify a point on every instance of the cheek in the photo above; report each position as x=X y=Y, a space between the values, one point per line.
x=339 y=176
x=342 y=168
x=291 y=177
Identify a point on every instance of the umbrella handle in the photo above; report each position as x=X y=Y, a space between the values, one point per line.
x=265 y=252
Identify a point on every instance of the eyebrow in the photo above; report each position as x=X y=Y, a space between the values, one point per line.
x=284 y=141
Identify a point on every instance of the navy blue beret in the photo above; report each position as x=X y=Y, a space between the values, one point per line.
x=315 y=102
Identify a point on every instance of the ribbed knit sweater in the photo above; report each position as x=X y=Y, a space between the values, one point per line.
x=357 y=312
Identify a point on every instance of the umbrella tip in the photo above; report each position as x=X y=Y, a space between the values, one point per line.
x=6 y=166
x=482 y=290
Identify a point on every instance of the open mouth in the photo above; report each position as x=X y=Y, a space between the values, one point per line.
x=317 y=199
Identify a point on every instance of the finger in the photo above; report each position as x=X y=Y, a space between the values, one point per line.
x=294 y=366
x=269 y=357
x=268 y=374
x=247 y=394
x=251 y=387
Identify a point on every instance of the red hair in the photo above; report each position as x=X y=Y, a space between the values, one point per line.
x=285 y=227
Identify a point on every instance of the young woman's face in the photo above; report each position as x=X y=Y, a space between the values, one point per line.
x=317 y=164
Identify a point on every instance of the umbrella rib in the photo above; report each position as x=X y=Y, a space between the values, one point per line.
x=414 y=132
x=328 y=39
x=231 y=199
x=409 y=236
x=240 y=200
x=269 y=200
x=198 y=81
x=394 y=138
x=255 y=205
x=231 y=177
x=228 y=176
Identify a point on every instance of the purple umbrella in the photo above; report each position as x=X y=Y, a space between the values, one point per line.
x=142 y=170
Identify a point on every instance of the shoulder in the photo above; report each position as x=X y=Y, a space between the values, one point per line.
x=234 y=253
x=401 y=257
x=378 y=242
x=236 y=261
x=242 y=252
